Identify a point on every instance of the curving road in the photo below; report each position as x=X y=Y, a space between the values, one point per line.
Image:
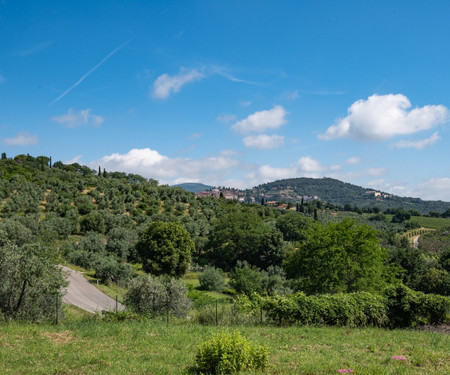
x=86 y=296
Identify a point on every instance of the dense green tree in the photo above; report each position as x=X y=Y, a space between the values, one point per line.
x=246 y=279
x=294 y=226
x=165 y=249
x=342 y=257
x=244 y=236
x=94 y=222
x=401 y=215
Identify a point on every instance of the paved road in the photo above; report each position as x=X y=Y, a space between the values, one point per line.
x=415 y=242
x=86 y=296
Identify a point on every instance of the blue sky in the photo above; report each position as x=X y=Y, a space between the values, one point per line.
x=233 y=93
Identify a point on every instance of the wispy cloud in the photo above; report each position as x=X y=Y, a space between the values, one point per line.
x=225 y=73
x=34 y=49
x=90 y=71
x=289 y=95
x=353 y=160
x=420 y=144
x=226 y=119
x=264 y=141
x=74 y=119
x=21 y=139
x=322 y=92
x=2 y=79
x=195 y=135
x=166 y=84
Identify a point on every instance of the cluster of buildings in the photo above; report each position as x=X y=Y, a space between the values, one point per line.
x=378 y=194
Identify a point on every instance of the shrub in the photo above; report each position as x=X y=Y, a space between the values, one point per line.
x=228 y=353
x=352 y=309
x=246 y=279
x=154 y=295
x=408 y=308
x=212 y=279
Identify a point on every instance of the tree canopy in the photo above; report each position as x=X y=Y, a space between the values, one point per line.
x=342 y=257
x=165 y=249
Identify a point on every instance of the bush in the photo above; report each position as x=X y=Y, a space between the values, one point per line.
x=342 y=309
x=228 y=353
x=408 y=308
x=212 y=279
x=154 y=295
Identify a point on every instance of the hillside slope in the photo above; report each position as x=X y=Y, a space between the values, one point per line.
x=339 y=193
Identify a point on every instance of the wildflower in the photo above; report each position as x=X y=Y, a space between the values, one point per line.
x=345 y=370
x=399 y=357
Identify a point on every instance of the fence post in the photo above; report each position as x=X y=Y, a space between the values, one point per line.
x=56 y=309
x=117 y=304
x=167 y=308
x=217 y=320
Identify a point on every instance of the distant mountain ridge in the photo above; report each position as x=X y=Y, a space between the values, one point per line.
x=193 y=187
x=339 y=193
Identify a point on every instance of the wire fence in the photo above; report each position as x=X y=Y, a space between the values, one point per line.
x=222 y=312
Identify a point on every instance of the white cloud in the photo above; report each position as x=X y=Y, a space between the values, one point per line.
x=244 y=103
x=261 y=121
x=267 y=173
x=263 y=141
x=150 y=163
x=366 y=172
x=73 y=119
x=166 y=84
x=309 y=165
x=381 y=117
x=419 y=145
x=21 y=139
x=226 y=119
x=76 y=159
x=434 y=189
x=354 y=160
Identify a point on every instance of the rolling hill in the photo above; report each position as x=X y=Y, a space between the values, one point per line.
x=339 y=193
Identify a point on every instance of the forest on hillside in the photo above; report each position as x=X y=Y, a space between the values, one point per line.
x=122 y=225
x=340 y=193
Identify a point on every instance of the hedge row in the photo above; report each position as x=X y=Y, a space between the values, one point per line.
x=397 y=307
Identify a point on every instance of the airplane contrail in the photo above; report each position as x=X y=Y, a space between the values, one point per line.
x=89 y=72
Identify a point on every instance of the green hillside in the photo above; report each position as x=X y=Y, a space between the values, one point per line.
x=193 y=187
x=340 y=193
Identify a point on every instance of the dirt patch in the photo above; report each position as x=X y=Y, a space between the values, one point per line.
x=59 y=337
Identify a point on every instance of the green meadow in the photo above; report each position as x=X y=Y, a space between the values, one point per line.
x=86 y=345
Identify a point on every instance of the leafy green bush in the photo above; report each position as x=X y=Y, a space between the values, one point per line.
x=154 y=295
x=342 y=309
x=212 y=279
x=228 y=353
x=408 y=308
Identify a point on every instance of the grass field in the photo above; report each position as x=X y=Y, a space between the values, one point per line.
x=89 y=346
x=431 y=222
